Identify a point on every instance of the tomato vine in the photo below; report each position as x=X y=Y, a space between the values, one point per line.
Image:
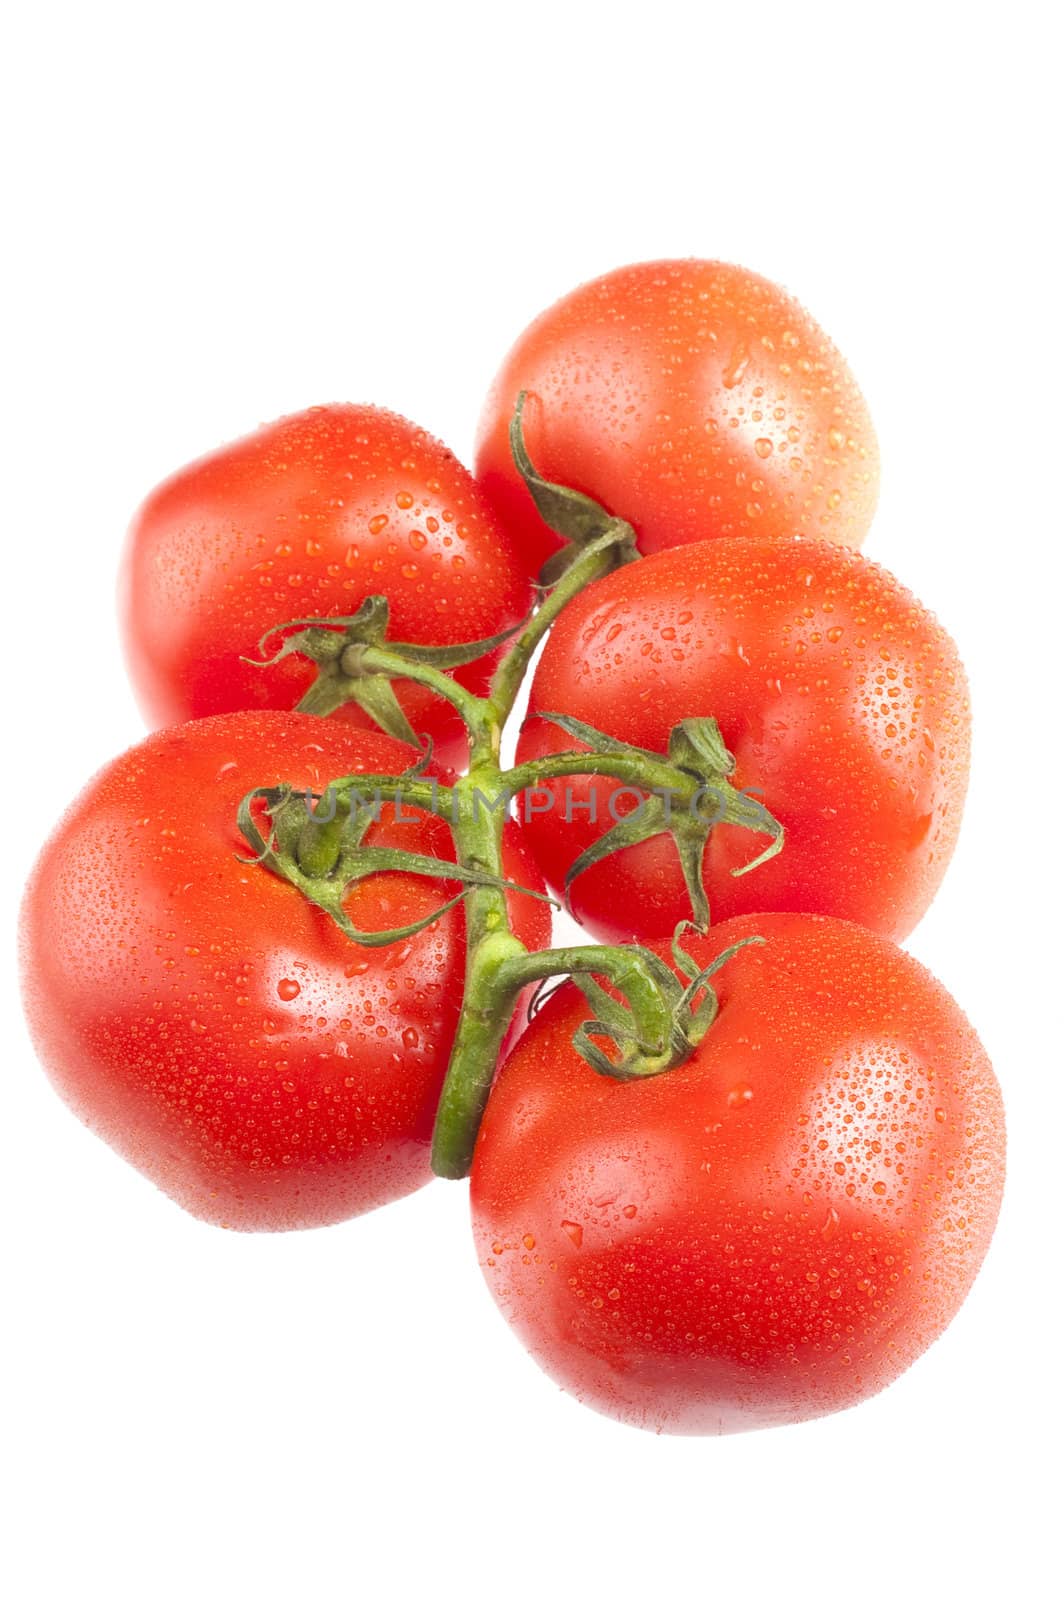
x=316 y=841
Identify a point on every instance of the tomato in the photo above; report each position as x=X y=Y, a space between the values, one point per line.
x=693 y=398
x=306 y=518
x=771 y=1231
x=842 y=700
x=207 y=1020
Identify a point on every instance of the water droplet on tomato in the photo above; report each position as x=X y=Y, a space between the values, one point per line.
x=574 y=1232
x=919 y=830
x=735 y=370
x=288 y=989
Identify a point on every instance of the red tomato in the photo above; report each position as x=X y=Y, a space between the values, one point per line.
x=306 y=518
x=774 y=1229
x=842 y=700
x=210 y=1023
x=694 y=399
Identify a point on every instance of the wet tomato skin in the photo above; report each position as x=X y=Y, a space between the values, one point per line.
x=695 y=399
x=775 y=1229
x=306 y=518
x=210 y=1023
x=842 y=699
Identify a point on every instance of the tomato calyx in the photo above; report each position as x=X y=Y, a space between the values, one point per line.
x=316 y=842
x=693 y=1008
x=685 y=794
x=655 y=1025
x=356 y=662
x=577 y=518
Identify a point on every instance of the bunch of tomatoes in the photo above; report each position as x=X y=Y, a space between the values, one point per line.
x=733 y=1166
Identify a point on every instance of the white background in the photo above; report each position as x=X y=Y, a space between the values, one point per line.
x=219 y=213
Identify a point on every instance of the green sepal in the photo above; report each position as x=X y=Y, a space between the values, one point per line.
x=374 y=859
x=596 y=1058
x=746 y=812
x=375 y=696
x=576 y=517
x=644 y=823
x=691 y=842
x=594 y=738
x=346 y=861
x=262 y=846
x=385 y=936
x=607 y=1010
x=446 y=656
x=687 y=964
x=695 y=1019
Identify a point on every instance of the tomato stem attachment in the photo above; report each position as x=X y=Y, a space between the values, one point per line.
x=686 y=794
x=356 y=663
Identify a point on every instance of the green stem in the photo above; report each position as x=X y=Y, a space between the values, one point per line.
x=593 y=561
x=488 y=999
x=635 y=772
x=625 y=966
x=370 y=789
